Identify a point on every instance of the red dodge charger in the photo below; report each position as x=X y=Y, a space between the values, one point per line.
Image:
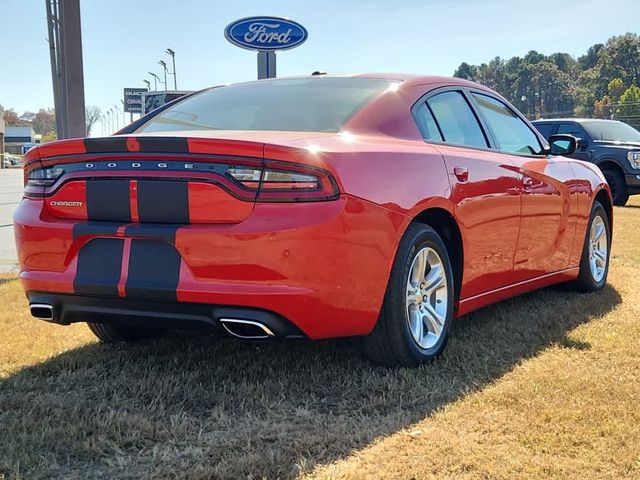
x=376 y=205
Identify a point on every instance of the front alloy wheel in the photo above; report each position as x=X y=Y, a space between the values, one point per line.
x=594 y=263
x=598 y=248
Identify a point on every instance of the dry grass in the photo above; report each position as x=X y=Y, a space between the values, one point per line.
x=544 y=385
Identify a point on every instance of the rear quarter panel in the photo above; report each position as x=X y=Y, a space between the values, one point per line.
x=589 y=181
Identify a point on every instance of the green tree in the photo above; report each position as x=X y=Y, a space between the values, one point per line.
x=466 y=71
x=629 y=106
x=616 y=89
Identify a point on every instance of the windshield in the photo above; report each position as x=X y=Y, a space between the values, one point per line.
x=322 y=104
x=614 y=131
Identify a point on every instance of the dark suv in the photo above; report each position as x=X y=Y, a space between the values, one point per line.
x=613 y=146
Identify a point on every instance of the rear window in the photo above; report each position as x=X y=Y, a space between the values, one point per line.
x=322 y=104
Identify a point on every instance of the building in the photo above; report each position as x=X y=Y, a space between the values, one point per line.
x=19 y=139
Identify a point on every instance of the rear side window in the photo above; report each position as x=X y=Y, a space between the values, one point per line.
x=427 y=124
x=511 y=133
x=545 y=129
x=457 y=122
x=571 y=129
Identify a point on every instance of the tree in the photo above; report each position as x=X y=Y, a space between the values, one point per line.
x=620 y=57
x=629 y=106
x=466 y=71
x=44 y=121
x=92 y=115
x=10 y=118
x=589 y=59
x=616 y=89
x=560 y=85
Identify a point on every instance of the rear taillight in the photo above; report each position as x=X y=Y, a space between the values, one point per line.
x=280 y=182
x=43 y=177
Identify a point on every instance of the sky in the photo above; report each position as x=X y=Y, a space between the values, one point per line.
x=124 y=39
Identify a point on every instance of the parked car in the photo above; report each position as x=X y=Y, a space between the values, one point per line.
x=13 y=160
x=613 y=146
x=381 y=206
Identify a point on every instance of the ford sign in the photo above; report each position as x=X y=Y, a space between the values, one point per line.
x=265 y=33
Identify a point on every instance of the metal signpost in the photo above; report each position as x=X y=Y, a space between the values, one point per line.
x=133 y=100
x=266 y=35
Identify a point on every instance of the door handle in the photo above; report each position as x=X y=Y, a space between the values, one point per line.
x=462 y=174
x=527 y=182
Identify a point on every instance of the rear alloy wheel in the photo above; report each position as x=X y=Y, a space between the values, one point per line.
x=618 y=187
x=418 y=307
x=109 y=333
x=594 y=264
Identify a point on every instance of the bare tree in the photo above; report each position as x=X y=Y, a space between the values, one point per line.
x=92 y=115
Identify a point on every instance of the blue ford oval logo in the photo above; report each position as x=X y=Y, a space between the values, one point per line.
x=265 y=33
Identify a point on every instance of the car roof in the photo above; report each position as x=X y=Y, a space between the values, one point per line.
x=407 y=79
x=574 y=120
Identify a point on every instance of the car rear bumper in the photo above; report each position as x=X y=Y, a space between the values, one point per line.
x=323 y=266
x=67 y=309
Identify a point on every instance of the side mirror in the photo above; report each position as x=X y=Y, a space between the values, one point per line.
x=562 y=144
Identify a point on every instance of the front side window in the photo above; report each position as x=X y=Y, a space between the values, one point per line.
x=511 y=133
x=322 y=104
x=457 y=122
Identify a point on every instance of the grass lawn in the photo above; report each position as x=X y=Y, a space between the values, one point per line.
x=543 y=385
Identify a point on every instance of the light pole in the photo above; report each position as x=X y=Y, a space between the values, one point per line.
x=164 y=67
x=130 y=115
x=168 y=51
x=109 y=121
x=155 y=80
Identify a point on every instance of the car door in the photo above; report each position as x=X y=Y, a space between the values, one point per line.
x=549 y=198
x=485 y=189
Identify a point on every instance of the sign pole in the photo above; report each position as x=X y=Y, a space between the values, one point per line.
x=266 y=65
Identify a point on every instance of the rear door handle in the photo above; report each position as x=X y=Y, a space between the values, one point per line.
x=527 y=182
x=462 y=174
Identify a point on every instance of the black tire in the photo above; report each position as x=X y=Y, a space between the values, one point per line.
x=586 y=281
x=109 y=333
x=618 y=186
x=391 y=342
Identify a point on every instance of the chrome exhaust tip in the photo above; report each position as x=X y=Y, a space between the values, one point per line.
x=43 y=311
x=246 y=329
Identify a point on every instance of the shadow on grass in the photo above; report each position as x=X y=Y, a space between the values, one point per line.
x=199 y=406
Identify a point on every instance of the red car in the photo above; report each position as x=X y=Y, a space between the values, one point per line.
x=375 y=205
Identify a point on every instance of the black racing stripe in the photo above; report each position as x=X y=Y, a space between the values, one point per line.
x=154 y=270
x=163 y=144
x=95 y=229
x=108 y=200
x=106 y=145
x=99 y=263
x=164 y=232
x=163 y=201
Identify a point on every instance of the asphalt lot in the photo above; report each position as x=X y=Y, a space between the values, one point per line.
x=10 y=195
